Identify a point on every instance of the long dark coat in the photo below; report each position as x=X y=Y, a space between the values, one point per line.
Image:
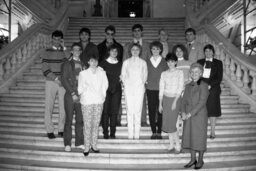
x=195 y=128
x=213 y=102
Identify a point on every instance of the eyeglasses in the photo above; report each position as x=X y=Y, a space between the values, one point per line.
x=110 y=34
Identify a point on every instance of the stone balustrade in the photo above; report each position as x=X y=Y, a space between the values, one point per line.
x=242 y=75
x=10 y=63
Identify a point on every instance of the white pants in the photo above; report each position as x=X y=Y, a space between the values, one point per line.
x=134 y=99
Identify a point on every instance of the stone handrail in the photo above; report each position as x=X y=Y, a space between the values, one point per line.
x=239 y=70
x=21 y=52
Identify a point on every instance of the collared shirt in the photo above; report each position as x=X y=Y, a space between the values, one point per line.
x=156 y=62
x=112 y=61
x=59 y=48
x=138 y=41
x=180 y=59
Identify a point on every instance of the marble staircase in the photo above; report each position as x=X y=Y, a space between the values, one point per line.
x=24 y=145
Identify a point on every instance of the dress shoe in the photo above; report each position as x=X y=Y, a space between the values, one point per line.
x=199 y=165
x=86 y=153
x=112 y=137
x=190 y=164
x=159 y=136
x=212 y=137
x=60 y=134
x=94 y=150
x=153 y=136
x=51 y=135
x=105 y=136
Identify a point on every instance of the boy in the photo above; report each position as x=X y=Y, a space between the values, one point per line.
x=70 y=71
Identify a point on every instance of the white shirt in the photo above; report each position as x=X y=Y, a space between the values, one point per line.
x=134 y=72
x=156 y=62
x=92 y=87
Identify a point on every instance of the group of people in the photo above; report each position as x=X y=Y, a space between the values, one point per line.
x=174 y=81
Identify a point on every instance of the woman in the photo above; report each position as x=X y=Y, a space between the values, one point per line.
x=92 y=86
x=213 y=73
x=112 y=67
x=156 y=65
x=170 y=88
x=134 y=75
x=183 y=63
x=194 y=114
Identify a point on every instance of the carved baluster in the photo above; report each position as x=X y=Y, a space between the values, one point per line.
x=34 y=46
x=253 y=86
x=7 y=68
x=19 y=57
x=1 y=71
x=38 y=37
x=239 y=83
x=246 y=81
x=217 y=53
x=232 y=70
x=24 y=53
x=226 y=63
x=13 y=63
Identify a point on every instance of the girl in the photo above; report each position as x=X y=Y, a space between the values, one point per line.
x=134 y=75
x=170 y=89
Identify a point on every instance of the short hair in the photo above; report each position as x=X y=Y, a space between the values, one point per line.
x=137 y=45
x=209 y=46
x=76 y=44
x=196 y=65
x=57 y=33
x=190 y=30
x=171 y=57
x=183 y=48
x=162 y=29
x=111 y=47
x=86 y=30
x=156 y=44
x=135 y=26
x=93 y=57
x=111 y=28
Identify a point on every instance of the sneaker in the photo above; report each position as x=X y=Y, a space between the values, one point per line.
x=60 y=134
x=67 y=148
x=51 y=135
x=81 y=147
x=176 y=151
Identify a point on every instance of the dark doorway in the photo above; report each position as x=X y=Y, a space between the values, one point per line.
x=130 y=8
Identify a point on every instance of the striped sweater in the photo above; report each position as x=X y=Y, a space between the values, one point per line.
x=51 y=63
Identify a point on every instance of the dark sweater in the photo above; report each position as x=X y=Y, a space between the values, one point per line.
x=102 y=47
x=154 y=74
x=113 y=72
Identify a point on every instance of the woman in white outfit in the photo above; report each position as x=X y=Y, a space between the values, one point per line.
x=134 y=75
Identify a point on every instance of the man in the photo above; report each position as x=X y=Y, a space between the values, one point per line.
x=137 y=31
x=69 y=79
x=89 y=48
x=195 y=48
x=109 y=40
x=163 y=38
x=52 y=60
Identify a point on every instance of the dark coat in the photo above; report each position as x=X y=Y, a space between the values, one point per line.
x=90 y=50
x=68 y=77
x=195 y=128
x=103 y=49
x=213 y=103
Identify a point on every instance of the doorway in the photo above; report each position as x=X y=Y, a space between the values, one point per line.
x=130 y=8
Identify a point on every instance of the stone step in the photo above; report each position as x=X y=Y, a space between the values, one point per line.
x=14 y=165
x=110 y=158
x=42 y=100
x=123 y=132
x=36 y=109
